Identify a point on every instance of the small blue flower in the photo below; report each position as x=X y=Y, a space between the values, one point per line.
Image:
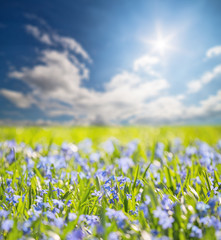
x=4 y=213
x=144 y=209
x=75 y=235
x=138 y=197
x=59 y=222
x=7 y=225
x=129 y=196
x=125 y=163
x=164 y=219
x=202 y=208
x=72 y=216
x=196 y=232
x=113 y=236
x=58 y=203
x=118 y=216
x=8 y=181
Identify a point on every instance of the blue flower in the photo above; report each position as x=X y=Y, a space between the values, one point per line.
x=159 y=149
x=72 y=216
x=85 y=145
x=144 y=209
x=59 y=222
x=138 y=197
x=118 y=216
x=7 y=225
x=113 y=236
x=166 y=203
x=75 y=235
x=26 y=227
x=92 y=220
x=202 y=208
x=164 y=219
x=196 y=232
x=125 y=163
x=148 y=200
x=59 y=191
x=8 y=181
x=94 y=157
x=11 y=156
x=108 y=147
x=129 y=196
x=58 y=203
x=4 y=213
x=131 y=148
x=100 y=229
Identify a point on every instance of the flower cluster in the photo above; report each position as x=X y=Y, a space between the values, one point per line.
x=112 y=191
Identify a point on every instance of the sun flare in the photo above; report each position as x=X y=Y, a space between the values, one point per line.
x=161 y=43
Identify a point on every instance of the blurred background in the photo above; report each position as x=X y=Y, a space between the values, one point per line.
x=113 y=62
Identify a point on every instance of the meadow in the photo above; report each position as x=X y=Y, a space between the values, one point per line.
x=110 y=183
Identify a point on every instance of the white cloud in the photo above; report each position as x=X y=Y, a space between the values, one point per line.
x=71 y=44
x=57 y=72
x=35 y=32
x=146 y=63
x=212 y=52
x=196 y=85
x=171 y=109
x=56 y=84
x=138 y=96
x=55 y=39
x=19 y=99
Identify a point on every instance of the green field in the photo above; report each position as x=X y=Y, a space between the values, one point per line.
x=99 y=183
x=146 y=135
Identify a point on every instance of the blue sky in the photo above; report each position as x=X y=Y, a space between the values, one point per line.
x=110 y=62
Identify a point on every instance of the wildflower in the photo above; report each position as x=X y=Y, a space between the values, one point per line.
x=159 y=150
x=117 y=215
x=202 y=208
x=72 y=216
x=59 y=222
x=164 y=219
x=196 y=232
x=8 y=181
x=108 y=147
x=138 y=197
x=113 y=236
x=92 y=220
x=58 y=203
x=7 y=225
x=123 y=180
x=166 y=203
x=94 y=157
x=191 y=151
x=59 y=191
x=75 y=235
x=131 y=148
x=85 y=145
x=26 y=227
x=11 y=156
x=4 y=213
x=125 y=163
x=129 y=196
x=215 y=223
x=148 y=200
x=15 y=199
x=144 y=209
x=197 y=180
x=100 y=229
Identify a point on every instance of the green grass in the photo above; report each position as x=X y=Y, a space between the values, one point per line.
x=147 y=135
x=150 y=176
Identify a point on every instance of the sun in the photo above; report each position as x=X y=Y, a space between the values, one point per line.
x=161 y=44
